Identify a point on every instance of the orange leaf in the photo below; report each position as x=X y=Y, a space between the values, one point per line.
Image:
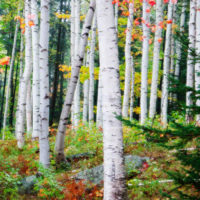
x=5 y=61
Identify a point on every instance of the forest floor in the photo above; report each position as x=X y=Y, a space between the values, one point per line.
x=56 y=182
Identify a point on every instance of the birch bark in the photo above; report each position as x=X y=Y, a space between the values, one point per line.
x=132 y=89
x=76 y=47
x=156 y=58
x=190 y=59
x=36 y=74
x=20 y=119
x=91 y=87
x=178 y=43
x=114 y=178
x=165 y=84
x=59 y=146
x=197 y=64
x=145 y=63
x=128 y=59
x=44 y=84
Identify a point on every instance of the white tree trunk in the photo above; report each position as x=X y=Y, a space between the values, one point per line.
x=9 y=79
x=145 y=63
x=29 y=109
x=178 y=43
x=197 y=65
x=114 y=176
x=91 y=87
x=20 y=119
x=36 y=74
x=190 y=59
x=132 y=89
x=116 y=16
x=86 y=91
x=59 y=146
x=76 y=48
x=99 y=102
x=44 y=83
x=128 y=59
x=165 y=84
x=156 y=58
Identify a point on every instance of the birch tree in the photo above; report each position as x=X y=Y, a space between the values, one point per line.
x=114 y=176
x=145 y=62
x=178 y=43
x=9 y=78
x=197 y=65
x=128 y=58
x=132 y=89
x=167 y=52
x=156 y=58
x=60 y=138
x=29 y=109
x=44 y=83
x=77 y=38
x=20 y=119
x=36 y=74
x=190 y=58
x=86 y=91
x=91 y=88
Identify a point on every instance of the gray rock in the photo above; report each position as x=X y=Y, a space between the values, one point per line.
x=95 y=175
x=27 y=184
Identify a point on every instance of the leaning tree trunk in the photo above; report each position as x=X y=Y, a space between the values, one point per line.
x=197 y=65
x=156 y=58
x=76 y=48
x=44 y=84
x=20 y=118
x=128 y=59
x=36 y=74
x=114 y=176
x=165 y=84
x=10 y=79
x=145 y=63
x=91 y=66
x=190 y=59
x=59 y=146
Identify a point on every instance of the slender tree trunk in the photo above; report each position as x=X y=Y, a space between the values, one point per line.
x=128 y=59
x=165 y=84
x=91 y=87
x=76 y=48
x=197 y=64
x=132 y=89
x=59 y=146
x=178 y=43
x=10 y=79
x=20 y=119
x=86 y=91
x=36 y=74
x=29 y=109
x=3 y=95
x=145 y=63
x=156 y=58
x=114 y=176
x=190 y=59
x=99 y=102
x=44 y=83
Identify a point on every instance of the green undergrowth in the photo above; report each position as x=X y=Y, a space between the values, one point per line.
x=55 y=183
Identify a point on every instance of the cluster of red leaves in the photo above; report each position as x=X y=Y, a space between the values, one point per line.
x=76 y=190
x=5 y=61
